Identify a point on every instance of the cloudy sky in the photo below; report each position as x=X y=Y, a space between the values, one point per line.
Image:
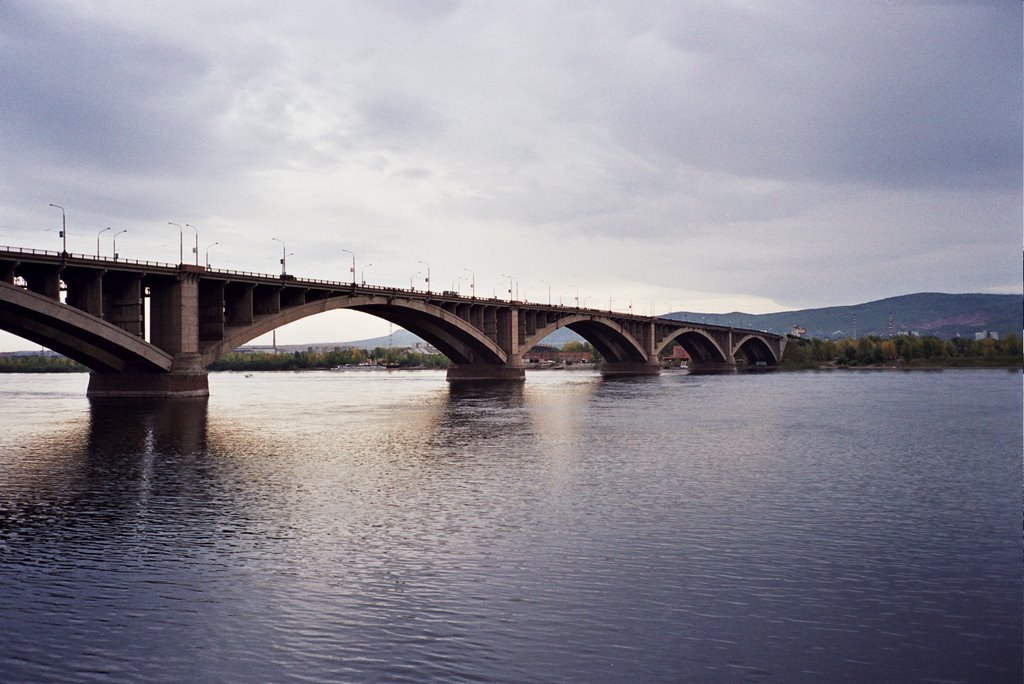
x=709 y=156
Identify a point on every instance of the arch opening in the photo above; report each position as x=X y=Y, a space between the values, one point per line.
x=452 y=336
x=613 y=344
x=700 y=347
x=754 y=351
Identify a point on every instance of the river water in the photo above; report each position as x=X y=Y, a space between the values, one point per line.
x=778 y=527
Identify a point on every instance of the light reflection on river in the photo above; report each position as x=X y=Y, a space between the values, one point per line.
x=346 y=526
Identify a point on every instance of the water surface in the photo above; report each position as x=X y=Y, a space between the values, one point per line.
x=796 y=527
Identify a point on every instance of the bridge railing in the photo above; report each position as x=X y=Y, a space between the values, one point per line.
x=88 y=257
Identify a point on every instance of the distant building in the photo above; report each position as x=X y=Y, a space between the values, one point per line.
x=678 y=354
x=798 y=331
x=545 y=354
x=986 y=335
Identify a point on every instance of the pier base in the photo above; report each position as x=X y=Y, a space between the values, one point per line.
x=156 y=385
x=629 y=368
x=711 y=367
x=485 y=372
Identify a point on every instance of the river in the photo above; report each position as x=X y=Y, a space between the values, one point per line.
x=775 y=527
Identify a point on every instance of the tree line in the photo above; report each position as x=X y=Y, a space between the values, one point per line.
x=39 y=363
x=313 y=360
x=906 y=351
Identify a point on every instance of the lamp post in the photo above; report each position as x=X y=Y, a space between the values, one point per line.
x=549 y=291
x=181 y=242
x=353 y=269
x=472 y=281
x=208 y=253
x=63 y=227
x=577 y=295
x=412 y=278
x=428 y=274
x=284 y=256
x=98 y=241
x=510 y=279
x=115 y=242
x=196 y=248
x=362 y=273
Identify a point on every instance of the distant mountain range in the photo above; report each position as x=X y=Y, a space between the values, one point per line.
x=925 y=313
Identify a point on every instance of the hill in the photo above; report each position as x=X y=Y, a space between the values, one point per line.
x=925 y=313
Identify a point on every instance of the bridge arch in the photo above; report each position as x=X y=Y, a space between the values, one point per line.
x=701 y=346
x=615 y=344
x=452 y=336
x=100 y=346
x=756 y=351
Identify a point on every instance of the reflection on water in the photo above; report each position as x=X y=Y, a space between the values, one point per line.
x=175 y=426
x=784 y=527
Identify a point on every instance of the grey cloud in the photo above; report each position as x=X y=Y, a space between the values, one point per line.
x=396 y=120
x=911 y=95
x=91 y=95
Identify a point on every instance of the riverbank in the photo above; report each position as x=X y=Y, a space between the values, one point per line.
x=918 y=364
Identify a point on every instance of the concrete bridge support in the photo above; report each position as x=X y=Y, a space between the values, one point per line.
x=620 y=369
x=174 y=328
x=502 y=326
x=697 y=367
x=483 y=372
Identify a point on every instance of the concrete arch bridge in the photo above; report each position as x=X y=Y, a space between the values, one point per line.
x=195 y=315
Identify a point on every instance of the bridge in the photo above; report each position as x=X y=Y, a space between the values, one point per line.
x=149 y=329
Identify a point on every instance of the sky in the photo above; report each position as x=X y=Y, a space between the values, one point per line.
x=729 y=155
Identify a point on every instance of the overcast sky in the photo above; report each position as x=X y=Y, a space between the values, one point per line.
x=708 y=156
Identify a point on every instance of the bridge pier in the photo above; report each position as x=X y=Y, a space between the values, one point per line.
x=629 y=368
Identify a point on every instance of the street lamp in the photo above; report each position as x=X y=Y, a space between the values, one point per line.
x=412 y=278
x=353 y=269
x=362 y=273
x=115 y=242
x=549 y=291
x=208 y=253
x=577 y=295
x=181 y=241
x=98 y=241
x=472 y=281
x=63 y=226
x=284 y=256
x=428 y=274
x=505 y=275
x=195 y=249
